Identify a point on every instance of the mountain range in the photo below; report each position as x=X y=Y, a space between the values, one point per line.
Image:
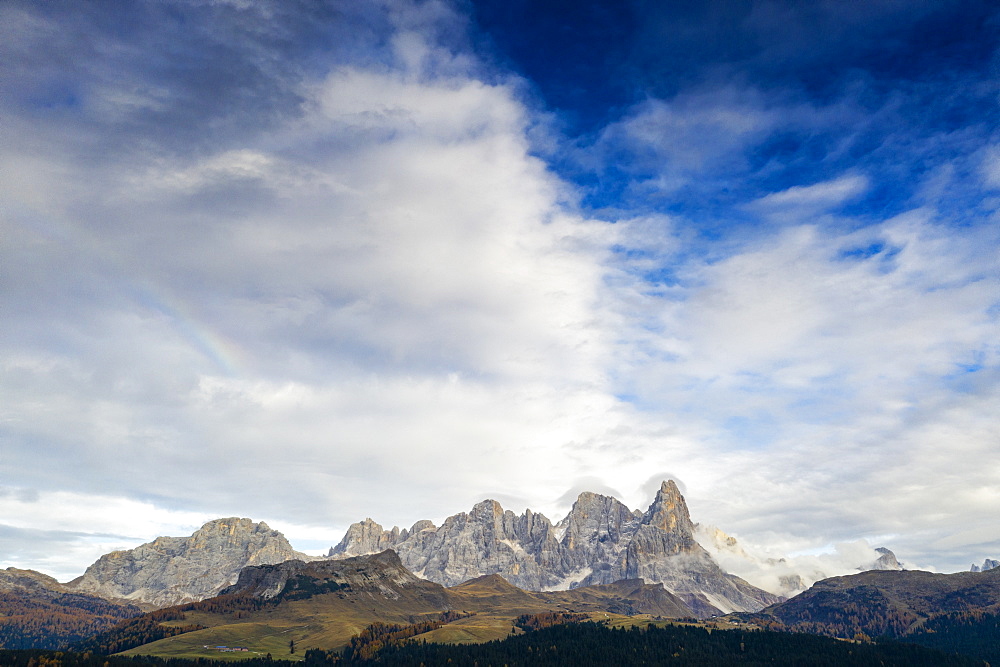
x=329 y=603
x=322 y=604
x=600 y=541
x=601 y=557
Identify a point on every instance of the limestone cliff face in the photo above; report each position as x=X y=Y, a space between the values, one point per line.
x=487 y=540
x=367 y=537
x=600 y=541
x=173 y=570
x=594 y=537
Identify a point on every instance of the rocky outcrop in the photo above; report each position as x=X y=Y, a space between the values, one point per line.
x=886 y=561
x=367 y=537
x=173 y=570
x=381 y=574
x=600 y=541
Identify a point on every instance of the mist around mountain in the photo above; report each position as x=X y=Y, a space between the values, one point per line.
x=790 y=575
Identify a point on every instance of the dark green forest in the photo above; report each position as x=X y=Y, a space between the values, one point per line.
x=973 y=633
x=581 y=645
x=585 y=644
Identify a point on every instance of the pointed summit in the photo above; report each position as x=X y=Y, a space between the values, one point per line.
x=669 y=512
x=366 y=537
x=487 y=510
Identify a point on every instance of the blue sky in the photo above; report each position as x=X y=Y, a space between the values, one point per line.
x=309 y=262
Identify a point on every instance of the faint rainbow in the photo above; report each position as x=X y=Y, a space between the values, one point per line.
x=221 y=351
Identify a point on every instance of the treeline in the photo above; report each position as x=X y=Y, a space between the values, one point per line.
x=40 y=658
x=862 y=612
x=974 y=633
x=373 y=639
x=586 y=644
x=580 y=645
x=137 y=631
x=531 y=622
x=234 y=604
x=28 y=622
x=148 y=627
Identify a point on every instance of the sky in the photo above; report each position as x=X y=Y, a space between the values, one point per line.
x=314 y=261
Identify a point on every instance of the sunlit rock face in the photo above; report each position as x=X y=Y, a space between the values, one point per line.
x=173 y=570
x=600 y=541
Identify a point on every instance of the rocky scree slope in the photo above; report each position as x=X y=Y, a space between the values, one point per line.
x=600 y=541
x=174 y=570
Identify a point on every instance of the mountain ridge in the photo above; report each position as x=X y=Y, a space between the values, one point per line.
x=600 y=541
x=173 y=570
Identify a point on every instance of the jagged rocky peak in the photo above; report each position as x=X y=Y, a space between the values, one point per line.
x=600 y=541
x=173 y=570
x=594 y=516
x=669 y=512
x=368 y=537
x=988 y=564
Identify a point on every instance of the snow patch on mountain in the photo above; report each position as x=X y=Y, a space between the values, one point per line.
x=571 y=580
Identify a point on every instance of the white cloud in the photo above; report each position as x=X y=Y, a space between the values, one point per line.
x=785 y=572
x=809 y=198
x=832 y=373
x=377 y=308
x=692 y=133
x=373 y=301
